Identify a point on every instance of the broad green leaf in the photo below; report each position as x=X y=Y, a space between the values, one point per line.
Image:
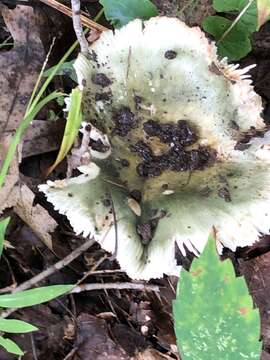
x=72 y=127
x=10 y=346
x=65 y=69
x=263 y=11
x=120 y=12
x=249 y=20
x=3 y=226
x=213 y=312
x=16 y=326
x=235 y=45
x=33 y=296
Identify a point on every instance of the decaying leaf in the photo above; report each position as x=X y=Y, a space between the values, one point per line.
x=42 y=136
x=20 y=66
x=181 y=126
x=213 y=312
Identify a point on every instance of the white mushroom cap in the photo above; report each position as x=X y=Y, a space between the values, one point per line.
x=165 y=71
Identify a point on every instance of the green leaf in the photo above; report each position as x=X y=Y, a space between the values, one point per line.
x=33 y=296
x=263 y=12
x=16 y=326
x=248 y=21
x=65 y=69
x=3 y=227
x=120 y=12
x=235 y=45
x=10 y=346
x=72 y=127
x=213 y=312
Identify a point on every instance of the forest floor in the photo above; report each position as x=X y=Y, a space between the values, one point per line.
x=101 y=324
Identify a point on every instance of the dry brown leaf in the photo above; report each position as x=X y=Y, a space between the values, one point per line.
x=42 y=136
x=19 y=70
x=19 y=67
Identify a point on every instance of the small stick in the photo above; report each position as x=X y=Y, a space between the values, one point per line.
x=77 y=25
x=55 y=267
x=49 y=271
x=67 y=11
x=235 y=21
x=108 y=286
x=118 y=286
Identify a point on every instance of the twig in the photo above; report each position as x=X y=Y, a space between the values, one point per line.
x=71 y=353
x=93 y=268
x=118 y=286
x=49 y=271
x=77 y=25
x=108 y=286
x=67 y=11
x=55 y=267
x=235 y=21
x=33 y=345
x=107 y=272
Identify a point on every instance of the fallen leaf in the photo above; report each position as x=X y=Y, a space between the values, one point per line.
x=93 y=340
x=19 y=70
x=19 y=67
x=42 y=137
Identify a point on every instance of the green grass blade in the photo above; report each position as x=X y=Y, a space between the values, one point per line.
x=51 y=76
x=11 y=346
x=3 y=226
x=33 y=296
x=16 y=326
x=72 y=127
x=19 y=133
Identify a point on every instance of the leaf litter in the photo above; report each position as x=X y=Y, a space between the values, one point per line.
x=148 y=315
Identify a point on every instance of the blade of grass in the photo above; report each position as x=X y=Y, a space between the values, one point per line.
x=33 y=111
x=10 y=346
x=16 y=326
x=72 y=127
x=3 y=227
x=236 y=20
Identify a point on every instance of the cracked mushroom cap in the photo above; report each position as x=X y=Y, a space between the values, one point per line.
x=185 y=154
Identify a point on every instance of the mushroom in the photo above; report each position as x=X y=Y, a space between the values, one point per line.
x=188 y=153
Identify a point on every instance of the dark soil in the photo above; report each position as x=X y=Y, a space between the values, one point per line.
x=124 y=120
x=101 y=79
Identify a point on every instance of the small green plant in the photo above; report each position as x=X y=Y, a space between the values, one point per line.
x=23 y=299
x=233 y=36
x=66 y=69
x=213 y=312
x=36 y=103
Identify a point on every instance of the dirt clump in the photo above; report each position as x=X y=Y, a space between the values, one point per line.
x=124 y=120
x=177 y=158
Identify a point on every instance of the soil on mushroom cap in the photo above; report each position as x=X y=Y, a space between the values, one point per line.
x=124 y=120
x=177 y=158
